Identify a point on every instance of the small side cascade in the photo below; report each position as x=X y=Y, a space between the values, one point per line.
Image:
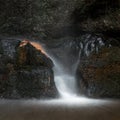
x=88 y=43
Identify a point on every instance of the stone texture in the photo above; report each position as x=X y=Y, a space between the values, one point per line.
x=25 y=72
x=99 y=73
x=36 y=83
x=29 y=55
x=50 y=19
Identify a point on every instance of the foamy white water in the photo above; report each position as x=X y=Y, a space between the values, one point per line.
x=65 y=81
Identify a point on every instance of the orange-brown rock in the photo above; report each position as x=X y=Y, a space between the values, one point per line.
x=25 y=72
x=100 y=73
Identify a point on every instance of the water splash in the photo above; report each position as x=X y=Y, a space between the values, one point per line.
x=65 y=82
x=64 y=79
x=64 y=75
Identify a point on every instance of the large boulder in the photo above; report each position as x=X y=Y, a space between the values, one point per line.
x=25 y=72
x=27 y=54
x=35 y=76
x=98 y=74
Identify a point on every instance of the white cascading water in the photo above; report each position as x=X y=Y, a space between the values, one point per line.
x=64 y=80
x=66 y=84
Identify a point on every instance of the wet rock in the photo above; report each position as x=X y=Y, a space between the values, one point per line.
x=36 y=83
x=25 y=72
x=29 y=55
x=99 y=73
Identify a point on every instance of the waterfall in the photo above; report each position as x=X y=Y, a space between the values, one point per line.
x=65 y=70
x=64 y=76
x=65 y=82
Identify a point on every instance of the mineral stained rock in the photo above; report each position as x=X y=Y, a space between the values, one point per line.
x=25 y=72
x=98 y=74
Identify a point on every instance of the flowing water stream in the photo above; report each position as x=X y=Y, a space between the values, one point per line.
x=65 y=82
x=65 y=74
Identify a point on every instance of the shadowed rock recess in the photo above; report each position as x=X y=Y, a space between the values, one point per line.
x=25 y=72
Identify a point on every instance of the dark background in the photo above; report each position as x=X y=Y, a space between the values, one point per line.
x=49 y=19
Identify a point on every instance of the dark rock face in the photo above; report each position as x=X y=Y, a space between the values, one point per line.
x=7 y=71
x=25 y=72
x=35 y=83
x=98 y=74
x=49 y=19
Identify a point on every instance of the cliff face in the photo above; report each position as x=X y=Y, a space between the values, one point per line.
x=25 y=72
x=51 y=19
x=98 y=73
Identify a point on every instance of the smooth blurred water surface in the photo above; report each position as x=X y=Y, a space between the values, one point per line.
x=60 y=109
